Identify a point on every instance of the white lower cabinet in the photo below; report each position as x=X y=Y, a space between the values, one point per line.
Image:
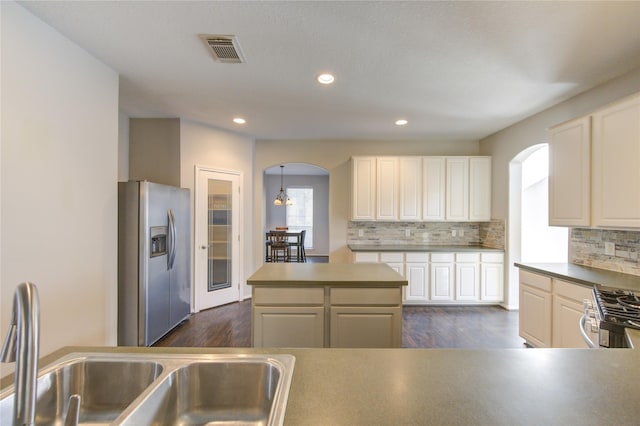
x=567 y=310
x=442 y=273
x=417 y=274
x=467 y=276
x=445 y=278
x=550 y=311
x=491 y=277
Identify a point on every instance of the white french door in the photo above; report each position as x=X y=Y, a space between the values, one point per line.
x=217 y=237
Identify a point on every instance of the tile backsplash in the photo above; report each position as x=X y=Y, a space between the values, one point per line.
x=587 y=247
x=490 y=234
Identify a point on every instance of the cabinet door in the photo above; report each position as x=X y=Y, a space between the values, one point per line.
x=418 y=279
x=491 y=282
x=457 y=189
x=566 y=317
x=570 y=173
x=442 y=281
x=387 y=188
x=288 y=326
x=366 y=327
x=535 y=316
x=363 y=193
x=467 y=281
x=480 y=188
x=410 y=188
x=434 y=188
x=616 y=165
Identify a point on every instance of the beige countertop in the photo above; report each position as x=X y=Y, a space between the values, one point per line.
x=451 y=386
x=323 y=274
x=585 y=275
x=421 y=248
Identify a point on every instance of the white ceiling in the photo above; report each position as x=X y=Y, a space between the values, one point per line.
x=455 y=70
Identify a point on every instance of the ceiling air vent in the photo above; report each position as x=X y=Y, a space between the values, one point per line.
x=224 y=48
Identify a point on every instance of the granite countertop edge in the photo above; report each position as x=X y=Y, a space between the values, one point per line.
x=421 y=248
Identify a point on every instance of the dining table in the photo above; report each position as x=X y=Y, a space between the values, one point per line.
x=289 y=240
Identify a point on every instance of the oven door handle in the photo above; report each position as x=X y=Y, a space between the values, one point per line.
x=585 y=336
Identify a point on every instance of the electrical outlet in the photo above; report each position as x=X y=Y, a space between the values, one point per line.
x=407 y=232
x=454 y=233
x=610 y=249
x=360 y=232
x=425 y=235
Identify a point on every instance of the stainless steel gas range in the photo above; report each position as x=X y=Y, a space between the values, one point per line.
x=608 y=315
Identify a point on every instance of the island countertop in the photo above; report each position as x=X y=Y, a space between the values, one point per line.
x=450 y=386
x=324 y=274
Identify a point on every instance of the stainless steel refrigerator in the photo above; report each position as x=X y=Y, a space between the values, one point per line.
x=154 y=266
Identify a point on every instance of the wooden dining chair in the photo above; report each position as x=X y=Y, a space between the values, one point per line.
x=279 y=249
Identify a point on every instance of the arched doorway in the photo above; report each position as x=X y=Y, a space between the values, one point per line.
x=531 y=239
x=308 y=187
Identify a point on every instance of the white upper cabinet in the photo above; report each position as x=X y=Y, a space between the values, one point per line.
x=363 y=188
x=410 y=188
x=434 y=188
x=387 y=188
x=421 y=188
x=479 y=188
x=457 y=189
x=616 y=165
x=570 y=173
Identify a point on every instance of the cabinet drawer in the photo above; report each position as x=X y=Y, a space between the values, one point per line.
x=366 y=257
x=442 y=257
x=571 y=291
x=391 y=257
x=366 y=296
x=541 y=282
x=468 y=257
x=417 y=257
x=492 y=257
x=288 y=296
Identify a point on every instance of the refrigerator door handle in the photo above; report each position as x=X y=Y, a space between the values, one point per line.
x=172 y=240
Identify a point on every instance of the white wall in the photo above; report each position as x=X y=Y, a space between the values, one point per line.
x=206 y=146
x=59 y=172
x=504 y=145
x=333 y=155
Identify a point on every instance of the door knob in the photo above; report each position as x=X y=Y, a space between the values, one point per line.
x=203 y=247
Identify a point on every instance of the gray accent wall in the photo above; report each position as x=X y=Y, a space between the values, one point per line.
x=276 y=215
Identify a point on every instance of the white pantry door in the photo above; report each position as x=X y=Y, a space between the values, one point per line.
x=217 y=238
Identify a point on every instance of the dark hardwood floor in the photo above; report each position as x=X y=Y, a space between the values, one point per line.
x=423 y=327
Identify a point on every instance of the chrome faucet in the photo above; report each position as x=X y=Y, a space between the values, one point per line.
x=22 y=346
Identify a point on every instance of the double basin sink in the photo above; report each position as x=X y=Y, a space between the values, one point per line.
x=145 y=389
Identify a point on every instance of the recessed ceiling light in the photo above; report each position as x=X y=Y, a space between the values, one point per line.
x=239 y=120
x=326 y=78
x=401 y=122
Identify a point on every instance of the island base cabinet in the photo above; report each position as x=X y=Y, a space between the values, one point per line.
x=288 y=327
x=362 y=327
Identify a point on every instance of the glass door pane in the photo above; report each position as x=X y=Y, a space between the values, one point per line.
x=219 y=238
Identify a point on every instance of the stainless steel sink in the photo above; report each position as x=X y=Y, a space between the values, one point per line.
x=106 y=388
x=135 y=389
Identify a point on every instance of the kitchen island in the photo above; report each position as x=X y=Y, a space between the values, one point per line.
x=326 y=305
x=448 y=386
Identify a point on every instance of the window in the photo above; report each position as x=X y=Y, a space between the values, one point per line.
x=300 y=214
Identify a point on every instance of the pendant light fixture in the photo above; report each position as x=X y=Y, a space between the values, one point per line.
x=282 y=196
